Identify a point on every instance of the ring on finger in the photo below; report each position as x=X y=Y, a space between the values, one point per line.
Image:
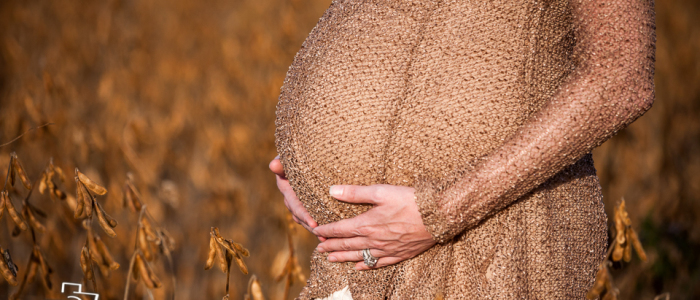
x=370 y=260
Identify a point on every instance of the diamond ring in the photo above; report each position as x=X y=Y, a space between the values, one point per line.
x=370 y=260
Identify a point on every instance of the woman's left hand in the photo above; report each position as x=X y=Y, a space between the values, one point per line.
x=393 y=229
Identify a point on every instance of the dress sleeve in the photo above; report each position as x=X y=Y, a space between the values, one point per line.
x=611 y=87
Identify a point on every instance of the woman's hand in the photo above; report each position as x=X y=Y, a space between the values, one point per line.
x=299 y=213
x=393 y=229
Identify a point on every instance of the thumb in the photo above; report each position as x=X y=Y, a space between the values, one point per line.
x=276 y=166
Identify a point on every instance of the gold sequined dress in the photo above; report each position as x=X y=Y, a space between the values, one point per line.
x=490 y=110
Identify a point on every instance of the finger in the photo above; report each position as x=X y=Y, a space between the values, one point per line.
x=343 y=256
x=355 y=255
x=276 y=166
x=299 y=211
x=306 y=226
x=293 y=204
x=382 y=262
x=372 y=194
x=346 y=228
x=284 y=187
x=351 y=244
x=300 y=214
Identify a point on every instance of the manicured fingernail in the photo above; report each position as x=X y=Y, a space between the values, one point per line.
x=336 y=191
x=332 y=259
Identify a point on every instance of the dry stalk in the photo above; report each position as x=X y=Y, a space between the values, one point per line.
x=7 y=266
x=150 y=241
x=26 y=220
x=132 y=199
x=226 y=251
x=48 y=183
x=94 y=250
x=132 y=261
x=292 y=269
x=621 y=249
x=35 y=264
x=14 y=170
x=23 y=133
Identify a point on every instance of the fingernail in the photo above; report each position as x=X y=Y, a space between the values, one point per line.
x=332 y=259
x=336 y=191
x=319 y=249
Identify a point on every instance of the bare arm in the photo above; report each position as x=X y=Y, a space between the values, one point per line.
x=611 y=87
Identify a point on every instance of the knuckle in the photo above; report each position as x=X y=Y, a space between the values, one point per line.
x=345 y=245
x=357 y=232
x=364 y=231
x=379 y=244
x=334 y=231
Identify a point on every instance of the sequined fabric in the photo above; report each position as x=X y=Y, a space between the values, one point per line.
x=490 y=110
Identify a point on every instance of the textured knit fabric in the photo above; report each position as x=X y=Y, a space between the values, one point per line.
x=490 y=110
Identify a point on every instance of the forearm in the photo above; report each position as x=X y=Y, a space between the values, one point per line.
x=611 y=89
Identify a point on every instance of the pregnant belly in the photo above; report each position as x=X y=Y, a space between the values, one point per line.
x=369 y=102
x=337 y=109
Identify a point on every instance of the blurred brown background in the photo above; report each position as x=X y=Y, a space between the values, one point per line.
x=182 y=94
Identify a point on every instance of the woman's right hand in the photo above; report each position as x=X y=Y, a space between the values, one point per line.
x=299 y=213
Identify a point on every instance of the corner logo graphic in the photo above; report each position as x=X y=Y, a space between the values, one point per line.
x=79 y=292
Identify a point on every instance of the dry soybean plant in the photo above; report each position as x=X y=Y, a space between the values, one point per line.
x=291 y=269
x=8 y=267
x=226 y=251
x=254 y=290
x=94 y=250
x=47 y=183
x=151 y=242
x=621 y=249
x=27 y=220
